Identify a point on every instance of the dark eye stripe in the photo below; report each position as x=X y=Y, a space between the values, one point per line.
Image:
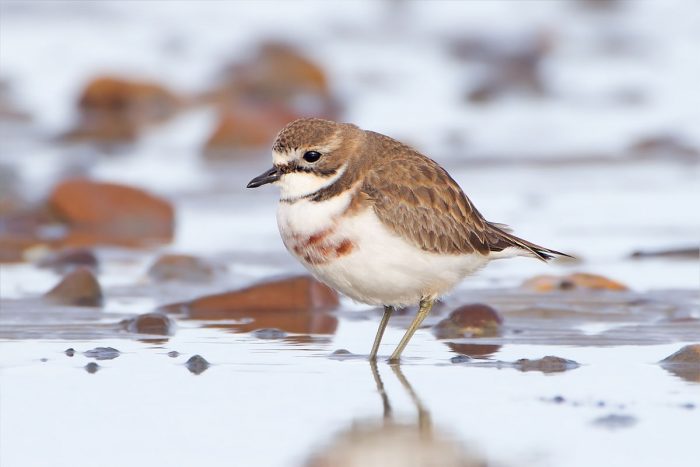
x=295 y=167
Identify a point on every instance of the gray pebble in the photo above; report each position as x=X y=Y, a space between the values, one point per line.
x=269 y=333
x=197 y=364
x=102 y=353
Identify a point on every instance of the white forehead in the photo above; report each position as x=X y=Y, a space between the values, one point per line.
x=282 y=158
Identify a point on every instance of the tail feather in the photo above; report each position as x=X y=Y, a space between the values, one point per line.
x=505 y=239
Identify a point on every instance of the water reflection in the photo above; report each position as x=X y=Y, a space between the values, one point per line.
x=474 y=350
x=689 y=373
x=302 y=322
x=387 y=442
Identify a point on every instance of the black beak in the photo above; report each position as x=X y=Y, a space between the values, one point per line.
x=269 y=176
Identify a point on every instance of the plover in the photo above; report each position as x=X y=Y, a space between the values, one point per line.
x=378 y=221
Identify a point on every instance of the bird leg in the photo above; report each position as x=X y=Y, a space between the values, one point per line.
x=388 y=310
x=425 y=305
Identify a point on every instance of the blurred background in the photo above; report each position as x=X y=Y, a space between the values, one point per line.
x=129 y=131
x=573 y=122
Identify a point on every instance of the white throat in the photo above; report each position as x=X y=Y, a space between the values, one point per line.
x=296 y=185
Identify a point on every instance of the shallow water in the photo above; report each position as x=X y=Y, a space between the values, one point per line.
x=284 y=401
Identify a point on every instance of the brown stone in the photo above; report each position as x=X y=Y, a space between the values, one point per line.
x=665 y=146
x=115 y=109
x=514 y=68
x=469 y=321
x=548 y=283
x=244 y=131
x=173 y=267
x=280 y=69
x=296 y=305
x=595 y=282
x=257 y=97
x=548 y=364
x=67 y=259
x=688 y=355
x=107 y=213
x=295 y=294
x=684 y=363
x=151 y=323
x=78 y=288
x=278 y=74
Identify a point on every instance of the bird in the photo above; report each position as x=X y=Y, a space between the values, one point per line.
x=378 y=221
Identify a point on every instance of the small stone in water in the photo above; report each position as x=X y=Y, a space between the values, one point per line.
x=186 y=268
x=615 y=421
x=151 y=323
x=343 y=354
x=269 y=333
x=78 y=288
x=548 y=364
x=472 y=320
x=300 y=294
x=685 y=363
x=102 y=353
x=460 y=359
x=70 y=352
x=197 y=364
x=575 y=281
x=688 y=355
x=173 y=354
x=92 y=367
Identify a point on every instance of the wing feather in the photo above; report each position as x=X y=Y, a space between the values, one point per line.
x=418 y=200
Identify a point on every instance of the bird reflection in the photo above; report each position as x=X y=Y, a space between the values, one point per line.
x=387 y=442
x=424 y=422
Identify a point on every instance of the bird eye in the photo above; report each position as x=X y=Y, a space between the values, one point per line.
x=312 y=156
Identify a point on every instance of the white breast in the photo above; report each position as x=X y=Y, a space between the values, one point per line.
x=306 y=217
x=380 y=267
